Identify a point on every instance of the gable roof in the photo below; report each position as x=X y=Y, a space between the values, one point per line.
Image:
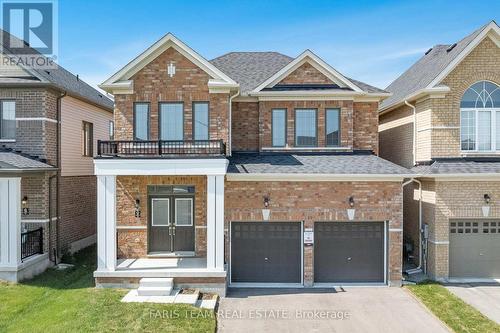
x=431 y=68
x=58 y=77
x=250 y=69
x=121 y=79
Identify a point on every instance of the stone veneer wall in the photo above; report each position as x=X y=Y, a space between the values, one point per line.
x=320 y=201
x=132 y=241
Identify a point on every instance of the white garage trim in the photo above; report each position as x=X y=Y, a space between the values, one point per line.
x=264 y=284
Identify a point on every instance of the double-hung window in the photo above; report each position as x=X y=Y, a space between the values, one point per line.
x=141 y=121
x=172 y=121
x=278 y=127
x=7 y=120
x=480 y=118
x=87 y=139
x=200 y=121
x=332 y=126
x=306 y=133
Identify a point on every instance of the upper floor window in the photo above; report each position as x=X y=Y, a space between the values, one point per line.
x=278 y=127
x=480 y=117
x=172 y=121
x=332 y=119
x=141 y=121
x=7 y=120
x=200 y=121
x=306 y=134
x=87 y=139
x=111 y=129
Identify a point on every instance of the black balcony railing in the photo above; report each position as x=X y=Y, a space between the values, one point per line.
x=160 y=148
x=31 y=243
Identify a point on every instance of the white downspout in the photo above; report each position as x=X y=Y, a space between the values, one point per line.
x=230 y=143
x=420 y=225
x=414 y=131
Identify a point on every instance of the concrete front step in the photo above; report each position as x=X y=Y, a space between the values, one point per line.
x=156 y=282
x=154 y=291
x=190 y=299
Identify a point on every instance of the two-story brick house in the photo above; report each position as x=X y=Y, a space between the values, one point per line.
x=50 y=121
x=443 y=120
x=252 y=169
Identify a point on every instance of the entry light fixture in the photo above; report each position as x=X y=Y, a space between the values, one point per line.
x=24 y=203
x=351 y=211
x=137 y=208
x=266 y=212
x=171 y=69
x=486 y=206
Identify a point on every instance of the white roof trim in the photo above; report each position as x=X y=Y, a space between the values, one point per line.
x=167 y=41
x=454 y=177
x=316 y=62
x=435 y=91
x=315 y=177
x=492 y=30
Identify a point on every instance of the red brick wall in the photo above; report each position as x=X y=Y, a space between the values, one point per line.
x=132 y=243
x=306 y=73
x=320 y=201
x=153 y=85
x=365 y=130
x=346 y=115
x=245 y=126
x=78 y=209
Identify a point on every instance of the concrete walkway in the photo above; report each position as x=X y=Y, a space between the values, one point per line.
x=354 y=309
x=484 y=297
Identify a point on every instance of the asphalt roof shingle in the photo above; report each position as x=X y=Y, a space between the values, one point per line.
x=12 y=161
x=59 y=77
x=426 y=69
x=443 y=167
x=254 y=163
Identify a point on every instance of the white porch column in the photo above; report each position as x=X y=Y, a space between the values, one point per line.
x=10 y=222
x=106 y=223
x=215 y=222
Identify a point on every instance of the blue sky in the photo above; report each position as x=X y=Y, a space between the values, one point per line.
x=372 y=41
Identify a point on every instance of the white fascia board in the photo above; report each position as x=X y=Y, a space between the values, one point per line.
x=119 y=87
x=167 y=41
x=439 y=91
x=469 y=177
x=317 y=177
x=491 y=30
x=316 y=62
x=160 y=167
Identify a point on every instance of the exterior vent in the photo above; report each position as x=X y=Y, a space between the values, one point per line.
x=451 y=47
x=428 y=51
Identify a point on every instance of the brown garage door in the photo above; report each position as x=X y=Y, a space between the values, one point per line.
x=349 y=252
x=475 y=249
x=266 y=252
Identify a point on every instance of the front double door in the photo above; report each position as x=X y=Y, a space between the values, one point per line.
x=171 y=224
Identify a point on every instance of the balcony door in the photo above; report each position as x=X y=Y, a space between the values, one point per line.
x=171 y=224
x=171 y=121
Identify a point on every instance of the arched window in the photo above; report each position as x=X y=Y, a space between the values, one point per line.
x=480 y=117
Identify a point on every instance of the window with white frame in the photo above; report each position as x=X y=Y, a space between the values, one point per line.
x=7 y=120
x=480 y=118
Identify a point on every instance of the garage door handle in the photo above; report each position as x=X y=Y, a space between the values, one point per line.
x=266 y=259
x=349 y=258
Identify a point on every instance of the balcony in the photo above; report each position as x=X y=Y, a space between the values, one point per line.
x=160 y=148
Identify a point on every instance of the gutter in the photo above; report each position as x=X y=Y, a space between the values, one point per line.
x=414 y=131
x=58 y=187
x=230 y=127
x=420 y=228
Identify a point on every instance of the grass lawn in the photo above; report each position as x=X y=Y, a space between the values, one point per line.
x=66 y=301
x=457 y=314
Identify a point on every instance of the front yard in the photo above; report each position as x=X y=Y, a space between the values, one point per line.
x=66 y=301
x=458 y=315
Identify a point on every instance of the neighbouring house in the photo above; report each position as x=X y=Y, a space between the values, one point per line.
x=252 y=169
x=443 y=121
x=50 y=121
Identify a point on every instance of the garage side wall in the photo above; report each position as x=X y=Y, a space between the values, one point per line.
x=320 y=201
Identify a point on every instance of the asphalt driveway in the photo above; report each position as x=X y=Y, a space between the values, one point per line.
x=484 y=297
x=355 y=309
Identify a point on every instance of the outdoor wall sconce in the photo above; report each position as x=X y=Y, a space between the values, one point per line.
x=24 y=204
x=486 y=207
x=171 y=69
x=351 y=211
x=137 y=208
x=266 y=212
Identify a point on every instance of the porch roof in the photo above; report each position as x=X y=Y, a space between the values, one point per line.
x=446 y=166
x=14 y=162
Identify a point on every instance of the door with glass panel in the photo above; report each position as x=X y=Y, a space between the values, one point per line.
x=171 y=121
x=171 y=224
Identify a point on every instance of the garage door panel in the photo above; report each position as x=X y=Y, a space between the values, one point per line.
x=474 y=249
x=266 y=252
x=349 y=252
